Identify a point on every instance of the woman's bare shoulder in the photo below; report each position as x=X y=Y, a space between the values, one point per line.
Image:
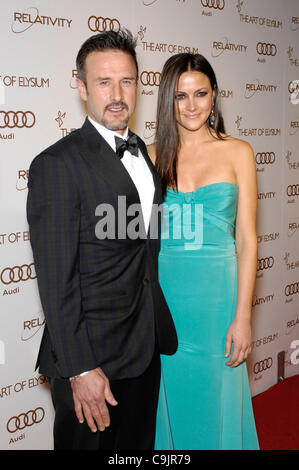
x=238 y=149
x=242 y=159
x=151 y=149
x=236 y=144
x=240 y=155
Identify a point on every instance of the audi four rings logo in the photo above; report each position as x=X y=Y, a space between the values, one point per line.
x=150 y=78
x=264 y=48
x=262 y=158
x=293 y=190
x=17 y=119
x=216 y=4
x=262 y=365
x=18 y=273
x=100 y=24
x=265 y=263
x=291 y=289
x=23 y=420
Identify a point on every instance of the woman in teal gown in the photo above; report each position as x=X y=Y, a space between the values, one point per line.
x=207 y=264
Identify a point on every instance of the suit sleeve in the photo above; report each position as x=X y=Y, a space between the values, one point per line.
x=53 y=212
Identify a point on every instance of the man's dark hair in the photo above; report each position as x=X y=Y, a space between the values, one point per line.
x=122 y=40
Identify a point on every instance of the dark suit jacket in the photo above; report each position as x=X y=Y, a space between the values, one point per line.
x=101 y=298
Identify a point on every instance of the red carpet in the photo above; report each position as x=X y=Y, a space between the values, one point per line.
x=276 y=414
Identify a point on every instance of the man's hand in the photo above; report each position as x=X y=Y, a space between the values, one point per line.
x=90 y=393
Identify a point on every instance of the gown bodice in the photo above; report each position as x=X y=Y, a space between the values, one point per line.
x=199 y=220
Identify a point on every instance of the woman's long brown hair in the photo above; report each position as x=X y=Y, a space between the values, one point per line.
x=167 y=135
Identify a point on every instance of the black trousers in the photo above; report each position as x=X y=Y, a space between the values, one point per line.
x=132 y=421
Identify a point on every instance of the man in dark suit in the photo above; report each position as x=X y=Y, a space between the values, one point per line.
x=106 y=318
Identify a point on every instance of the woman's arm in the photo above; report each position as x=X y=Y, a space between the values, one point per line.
x=239 y=333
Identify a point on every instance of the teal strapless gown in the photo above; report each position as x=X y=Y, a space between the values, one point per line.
x=203 y=404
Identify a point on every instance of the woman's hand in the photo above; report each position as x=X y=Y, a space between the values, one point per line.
x=238 y=335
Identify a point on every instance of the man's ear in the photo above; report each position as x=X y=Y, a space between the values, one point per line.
x=82 y=89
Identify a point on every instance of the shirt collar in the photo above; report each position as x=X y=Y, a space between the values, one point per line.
x=107 y=134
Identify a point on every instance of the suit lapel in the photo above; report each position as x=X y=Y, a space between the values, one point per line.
x=154 y=225
x=106 y=164
x=156 y=179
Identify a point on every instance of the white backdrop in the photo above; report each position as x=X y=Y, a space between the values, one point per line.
x=253 y=47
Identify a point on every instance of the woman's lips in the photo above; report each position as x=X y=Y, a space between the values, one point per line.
x=191 y=116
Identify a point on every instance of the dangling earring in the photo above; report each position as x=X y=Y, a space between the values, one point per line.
x=212 y=117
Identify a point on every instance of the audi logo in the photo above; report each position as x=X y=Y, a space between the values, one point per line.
x=293 y=190
x=17 y=119
x=18 y=273
x=262 y=158
x=31 y=417
x=265 y=263
x=262 y=365
x=263 y=48
x=216 y=4
x=150 y=78
x=101 y=24
x=291 y=289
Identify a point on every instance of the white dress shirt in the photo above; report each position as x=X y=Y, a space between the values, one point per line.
x=137 y=169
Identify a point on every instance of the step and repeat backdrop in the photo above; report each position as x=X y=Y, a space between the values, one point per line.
x=253 y=46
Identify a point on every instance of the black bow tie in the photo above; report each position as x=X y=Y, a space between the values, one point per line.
x=130 y=144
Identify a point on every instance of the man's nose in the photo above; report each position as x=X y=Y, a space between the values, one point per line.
x=117 y=93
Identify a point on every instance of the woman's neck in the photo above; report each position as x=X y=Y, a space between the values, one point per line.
x=195 y=138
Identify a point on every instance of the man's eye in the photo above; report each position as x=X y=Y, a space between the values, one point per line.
x=128 y=82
